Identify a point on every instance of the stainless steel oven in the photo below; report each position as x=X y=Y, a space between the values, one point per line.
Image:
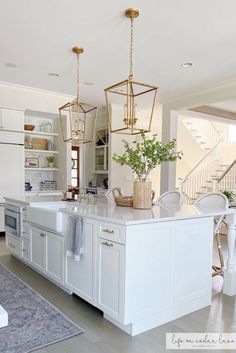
x=13 y=220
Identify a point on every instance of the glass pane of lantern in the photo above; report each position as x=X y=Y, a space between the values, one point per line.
x=65 y=124
x=117 y=97
x=90 y=123
x=132 y=106
x=144 y=105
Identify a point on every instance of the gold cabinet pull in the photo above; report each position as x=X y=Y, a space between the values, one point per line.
x=108 y=231
x=106 y=243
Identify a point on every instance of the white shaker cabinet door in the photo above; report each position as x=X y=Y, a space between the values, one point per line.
x=80 y=275
x=25 y=248
x=37 y=248
x=192 y=260
x=110 y=285
x=2 y=227
x=54 y=256
x=12 y=171
x=11 y=119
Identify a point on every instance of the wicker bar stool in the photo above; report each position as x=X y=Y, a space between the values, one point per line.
x=212 y=202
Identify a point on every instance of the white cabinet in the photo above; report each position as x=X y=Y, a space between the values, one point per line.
x=2 y=218
x=54 y=256
x=13 y=245
x=197 y=235
x=80 y=275
x=12 y=171
x=46 y=253
x=37 y=248
x=102 y=151
x=11 y=119
x=110 y=278
x=25 y=248
x=101 y=159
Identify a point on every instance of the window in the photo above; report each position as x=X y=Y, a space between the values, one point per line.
x=75 y=166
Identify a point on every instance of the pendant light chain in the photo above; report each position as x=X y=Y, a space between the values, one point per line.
x=131 y=48
x=78 y=78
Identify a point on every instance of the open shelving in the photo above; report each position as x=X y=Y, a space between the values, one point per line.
x=27 y=132
x=41 y=151
x=45 y=169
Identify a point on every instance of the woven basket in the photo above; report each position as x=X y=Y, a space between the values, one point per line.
x=125 y=201
x=39 y=144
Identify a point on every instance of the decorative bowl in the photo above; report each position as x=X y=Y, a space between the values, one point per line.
x=29 y=127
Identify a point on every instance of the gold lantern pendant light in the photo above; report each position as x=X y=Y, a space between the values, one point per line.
x=130 y=104
x=78 y=120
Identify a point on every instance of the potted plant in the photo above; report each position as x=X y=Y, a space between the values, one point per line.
x=50 y=160
x=229 y=194
x=142 y=157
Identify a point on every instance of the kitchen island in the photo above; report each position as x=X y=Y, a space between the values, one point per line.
x=141 y=268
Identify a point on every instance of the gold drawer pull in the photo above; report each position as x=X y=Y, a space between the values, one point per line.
x=106 y=243
x=108 y=231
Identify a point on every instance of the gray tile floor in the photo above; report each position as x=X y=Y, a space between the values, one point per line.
x=103 y=337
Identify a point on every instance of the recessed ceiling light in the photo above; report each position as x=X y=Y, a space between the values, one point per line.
x=10 y=65
x=88 y=83
x=186 y=65
x=53 y=74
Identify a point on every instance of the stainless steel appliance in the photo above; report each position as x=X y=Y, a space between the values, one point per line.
x=13 y=220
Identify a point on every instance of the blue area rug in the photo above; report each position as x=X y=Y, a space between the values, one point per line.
x=33 y=322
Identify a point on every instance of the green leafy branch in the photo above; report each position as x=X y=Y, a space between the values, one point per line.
x=144 y=156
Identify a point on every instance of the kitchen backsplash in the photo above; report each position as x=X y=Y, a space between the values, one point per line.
x=36 y=177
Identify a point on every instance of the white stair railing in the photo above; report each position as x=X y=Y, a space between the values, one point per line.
x=203 y=172
x=200 y=178
x=227 y=181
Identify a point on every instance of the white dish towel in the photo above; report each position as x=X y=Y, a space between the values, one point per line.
x=74 y=237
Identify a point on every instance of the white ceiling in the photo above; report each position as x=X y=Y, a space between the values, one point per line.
x=229 y=105
x=38 y=37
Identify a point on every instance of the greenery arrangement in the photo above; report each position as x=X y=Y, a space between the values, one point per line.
x=50 y=159
x=144 y=156
x=229 y=194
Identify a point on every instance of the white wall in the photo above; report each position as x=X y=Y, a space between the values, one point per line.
x=122 y=176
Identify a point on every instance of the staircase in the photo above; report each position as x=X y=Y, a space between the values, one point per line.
x=209 y=173
x=227 y=181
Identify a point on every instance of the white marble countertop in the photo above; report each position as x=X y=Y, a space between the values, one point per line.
x=131 y=216
x=17 y=202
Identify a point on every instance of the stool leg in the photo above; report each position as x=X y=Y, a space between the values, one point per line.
x=219 y=270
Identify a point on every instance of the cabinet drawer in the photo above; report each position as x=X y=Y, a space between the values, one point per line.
x=13 y=245
x=112 y=232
